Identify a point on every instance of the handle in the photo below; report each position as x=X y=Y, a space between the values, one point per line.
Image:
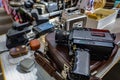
x=81 y=66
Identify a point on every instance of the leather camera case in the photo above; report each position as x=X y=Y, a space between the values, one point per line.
x=18 y=51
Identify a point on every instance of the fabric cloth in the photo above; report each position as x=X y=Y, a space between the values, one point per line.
x=6 y=6
x=0 y=3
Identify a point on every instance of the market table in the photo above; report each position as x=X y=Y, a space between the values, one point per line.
x=10 y=68
x=11 y=73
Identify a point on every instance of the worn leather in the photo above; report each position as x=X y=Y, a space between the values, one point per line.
x=57 y=53
x=18 y=51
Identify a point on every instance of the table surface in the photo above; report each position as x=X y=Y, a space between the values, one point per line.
x=11 y=73
x=11 y=69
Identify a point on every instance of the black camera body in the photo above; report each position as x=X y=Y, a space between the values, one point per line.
x=43 y=28
x=85 y=44
x=100 y=43
x=16 y=35
x=20 y=34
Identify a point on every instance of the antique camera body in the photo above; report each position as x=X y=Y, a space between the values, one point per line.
x=28 y=3
x=24 y=15
x=40 y=7
x=38 y=18
x=72 y=19
x=50 y=6
x=100 y=43
x=85 y=44
x=20 y=34
x=43 y=28
x=16 y=35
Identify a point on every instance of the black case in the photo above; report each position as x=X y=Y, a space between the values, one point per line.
x=81 y=66
x=100 y=43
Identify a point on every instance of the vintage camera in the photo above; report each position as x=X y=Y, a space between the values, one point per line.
x=43 y=28
x=25 y=15
x=20 y=34
x=40 y=7
x=38 y=18
x=100 y=43
x=85 y=44
x=50 y=6
x=28 y=3
x=62 y=37
x=16 y=35
x=72 y=19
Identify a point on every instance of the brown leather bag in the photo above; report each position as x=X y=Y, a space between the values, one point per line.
x=57 y=53
x=18 y=51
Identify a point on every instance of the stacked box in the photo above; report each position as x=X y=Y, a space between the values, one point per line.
x=109 y=17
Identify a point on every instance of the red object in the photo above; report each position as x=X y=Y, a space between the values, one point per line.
x=35 y=44
x=99 y=30
x=6 y=6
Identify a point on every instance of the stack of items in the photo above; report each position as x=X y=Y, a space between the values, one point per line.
x=101 y=17
x=82 y=43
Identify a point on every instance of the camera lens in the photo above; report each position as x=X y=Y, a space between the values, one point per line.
x=61 y=37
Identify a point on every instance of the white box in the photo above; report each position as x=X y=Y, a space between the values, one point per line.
x=103 y=22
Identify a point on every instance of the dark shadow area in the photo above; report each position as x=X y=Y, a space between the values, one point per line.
x=114 y=73
x=1 y=76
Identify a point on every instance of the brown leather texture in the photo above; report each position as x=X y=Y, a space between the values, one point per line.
x=41 y=60
x=18 y=51
x=59 y=54
x=35 y=44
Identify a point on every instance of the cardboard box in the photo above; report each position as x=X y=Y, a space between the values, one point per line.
x=109 y=16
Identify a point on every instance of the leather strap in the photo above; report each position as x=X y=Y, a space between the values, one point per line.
x=47 y=66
